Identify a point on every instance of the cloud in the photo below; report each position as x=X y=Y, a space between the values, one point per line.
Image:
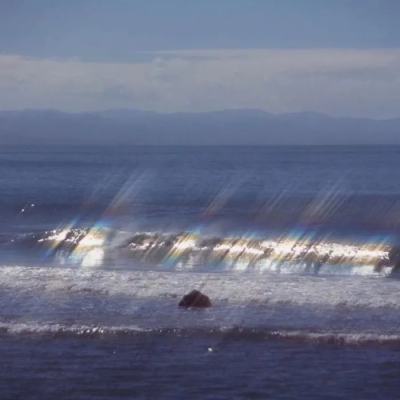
x=334 y=81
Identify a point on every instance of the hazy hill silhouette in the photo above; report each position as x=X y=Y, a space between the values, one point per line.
x=230 y=127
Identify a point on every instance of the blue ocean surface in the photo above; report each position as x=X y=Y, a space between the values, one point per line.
x=298 y=249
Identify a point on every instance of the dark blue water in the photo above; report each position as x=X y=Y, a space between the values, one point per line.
x=296 y=247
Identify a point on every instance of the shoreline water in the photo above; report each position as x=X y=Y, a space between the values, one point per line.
x=292 y=247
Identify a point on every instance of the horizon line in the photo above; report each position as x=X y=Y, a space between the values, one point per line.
x=222 y=110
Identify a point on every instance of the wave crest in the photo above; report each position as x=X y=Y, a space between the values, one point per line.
x=293 y=252
x=221 y=333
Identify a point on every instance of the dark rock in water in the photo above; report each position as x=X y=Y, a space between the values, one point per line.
x=195 y=299
x=394 y=259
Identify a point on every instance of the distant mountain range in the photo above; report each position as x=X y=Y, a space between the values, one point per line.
x=230 y=127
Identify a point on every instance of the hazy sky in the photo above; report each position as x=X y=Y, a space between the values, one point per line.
x=340 y=57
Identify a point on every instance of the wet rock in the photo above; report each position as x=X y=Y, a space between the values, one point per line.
x=195 y=299
x=394 y=258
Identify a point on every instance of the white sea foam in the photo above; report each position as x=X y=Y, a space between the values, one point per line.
x=76 y=330
x=228 y=287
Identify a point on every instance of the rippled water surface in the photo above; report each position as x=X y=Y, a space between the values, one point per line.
x=297 y=248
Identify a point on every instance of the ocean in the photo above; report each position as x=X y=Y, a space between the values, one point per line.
x=298 y=249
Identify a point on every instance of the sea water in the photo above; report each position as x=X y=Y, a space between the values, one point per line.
x=295 y=246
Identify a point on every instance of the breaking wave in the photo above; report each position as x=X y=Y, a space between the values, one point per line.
x=295 y=252
x=220 y=333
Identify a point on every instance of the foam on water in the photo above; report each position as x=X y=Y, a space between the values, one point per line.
x=293 y=252
x=223 y=333
x=228 y=287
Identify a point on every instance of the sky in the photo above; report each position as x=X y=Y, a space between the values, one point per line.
x=338 y=57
